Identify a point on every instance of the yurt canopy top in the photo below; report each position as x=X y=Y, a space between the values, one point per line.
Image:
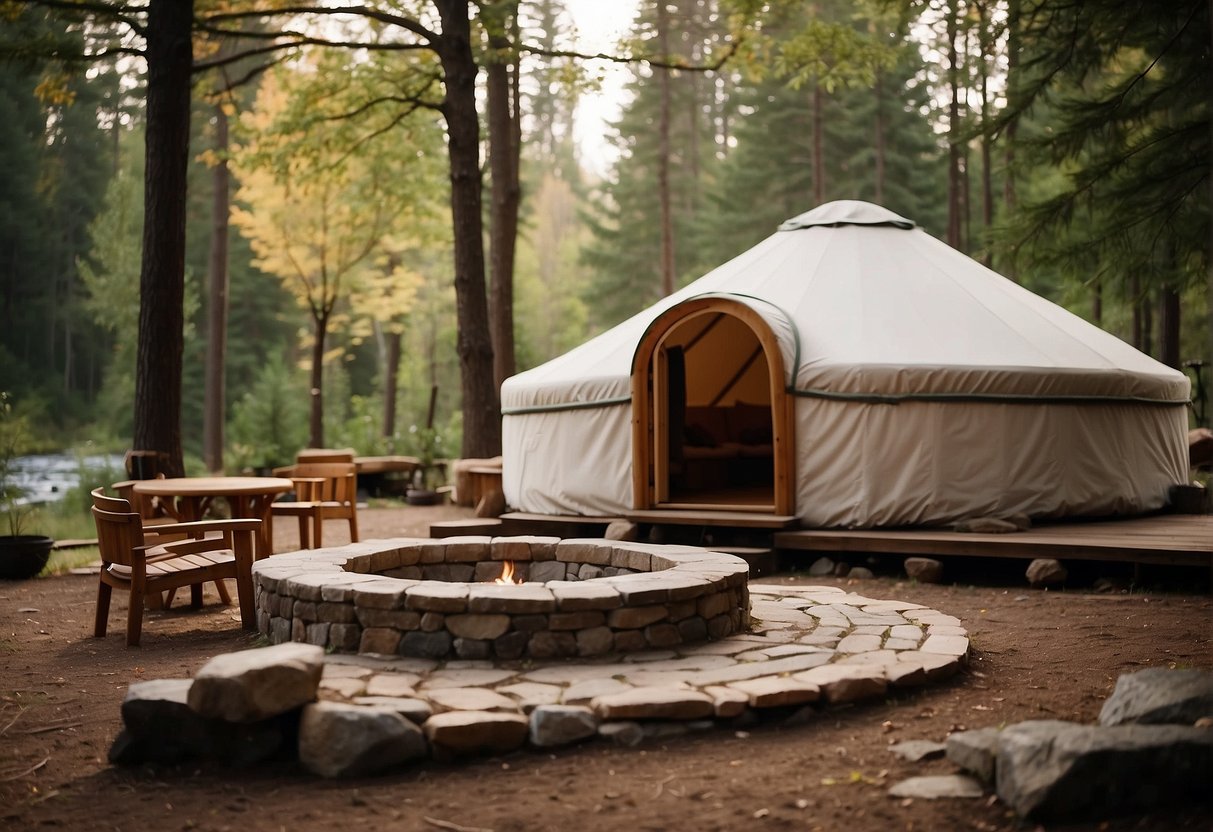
x=867 y=306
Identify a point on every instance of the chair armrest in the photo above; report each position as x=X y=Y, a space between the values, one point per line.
x=238 y=525
x=308 y=489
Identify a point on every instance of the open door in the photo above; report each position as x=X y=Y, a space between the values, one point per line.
x=712 y=422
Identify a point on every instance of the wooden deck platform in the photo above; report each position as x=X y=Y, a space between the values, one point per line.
x=703 y=517
x=1167 y=539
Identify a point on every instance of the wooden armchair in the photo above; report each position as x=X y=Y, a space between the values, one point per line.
x=209 y=551
x=153 y=514
x=323 y=491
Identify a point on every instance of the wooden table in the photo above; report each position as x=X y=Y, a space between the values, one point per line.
x=187 y=499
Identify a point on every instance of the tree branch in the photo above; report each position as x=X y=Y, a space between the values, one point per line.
x=122 y=14
x=659 y=63
x=403 y=22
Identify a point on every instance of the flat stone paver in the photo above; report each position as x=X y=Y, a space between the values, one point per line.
x=807 y=645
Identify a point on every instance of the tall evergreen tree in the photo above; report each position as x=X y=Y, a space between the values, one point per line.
x=667 y=127
x=1120 y=91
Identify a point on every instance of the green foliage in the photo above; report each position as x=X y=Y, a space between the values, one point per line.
x=54 y=168
x=269 y=424
x=1114 y=158
x=14 y=438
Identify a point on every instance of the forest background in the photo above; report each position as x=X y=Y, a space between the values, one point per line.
x=1064 y=144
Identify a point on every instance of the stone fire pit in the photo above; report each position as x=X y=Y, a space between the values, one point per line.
x=435 y=598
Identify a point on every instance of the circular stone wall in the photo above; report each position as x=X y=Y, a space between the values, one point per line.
x=428 y=598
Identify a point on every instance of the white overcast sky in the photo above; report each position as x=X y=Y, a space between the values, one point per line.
x=600 y=24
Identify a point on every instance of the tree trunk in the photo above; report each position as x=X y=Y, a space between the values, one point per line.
x=320 y=322
x=819 y=162
x=214 y=401
x=481 y=407
x=1135 y=304
x=1097 y=304
x=1009 y=197
x=879 y=141
x=954 y=183
x=157 y=416
x=987 y=182
x=1168 y=328
x=391 y=380
x=504 y=149
x=1147 y=324
x=1209 y=287
x=663 y=154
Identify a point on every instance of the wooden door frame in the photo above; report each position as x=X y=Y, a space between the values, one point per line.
x=646 y=441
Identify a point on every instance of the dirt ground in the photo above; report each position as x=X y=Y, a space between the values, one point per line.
x=1036 y=654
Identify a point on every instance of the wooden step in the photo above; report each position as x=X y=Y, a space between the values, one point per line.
x=555 y=525
x=727 y=519
x=471 y=525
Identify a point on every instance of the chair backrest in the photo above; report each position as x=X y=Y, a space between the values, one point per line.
x=148 y=509
x=340 y=482
x=119 y=528
x=308 y=455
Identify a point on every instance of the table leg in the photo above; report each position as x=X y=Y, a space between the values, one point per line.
x=257 y=507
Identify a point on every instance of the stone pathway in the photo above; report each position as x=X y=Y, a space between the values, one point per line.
x=807 y=645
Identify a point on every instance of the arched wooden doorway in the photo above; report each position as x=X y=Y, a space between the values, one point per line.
x=712 y=423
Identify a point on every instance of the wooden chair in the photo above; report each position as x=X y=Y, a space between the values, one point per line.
x=153 y=514
x=323 y=491
x=200 y=552
x=309 y=455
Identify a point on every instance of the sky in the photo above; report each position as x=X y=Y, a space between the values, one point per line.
x=600 y=24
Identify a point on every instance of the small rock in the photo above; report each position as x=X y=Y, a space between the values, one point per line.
x=841 y=569
x=471 y=699
x=622 y=530
x=626 y=732
x=924 y=570
x=339 y=740
x=822 y=567
x=918 y=750
x=654 y=703
x=1046 y=572
x=861 y=573
x=553 y=725
x=460 y=733
x=975 y=751
x=255 y=684
x=414 y=710
x=1107 y=585
x=1158 y=696
x=937 y=786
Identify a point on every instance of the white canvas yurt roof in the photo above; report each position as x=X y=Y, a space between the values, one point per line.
x=901 y=353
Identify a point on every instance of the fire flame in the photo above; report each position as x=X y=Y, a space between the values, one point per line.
x=507 y=574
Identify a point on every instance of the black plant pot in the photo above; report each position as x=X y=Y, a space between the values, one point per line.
x=23 y=556
x=422 y=497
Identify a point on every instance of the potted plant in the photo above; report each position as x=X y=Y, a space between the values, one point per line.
x=422 y=492
x=21 y=555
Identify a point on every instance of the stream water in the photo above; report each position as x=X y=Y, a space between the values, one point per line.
x=45 y=478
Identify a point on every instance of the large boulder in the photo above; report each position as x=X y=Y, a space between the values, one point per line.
x=1159 y=695
x=257 y=684
x=1051 y=770
x=160 y=727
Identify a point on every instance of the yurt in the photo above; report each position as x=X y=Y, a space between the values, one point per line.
x=850 y=371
